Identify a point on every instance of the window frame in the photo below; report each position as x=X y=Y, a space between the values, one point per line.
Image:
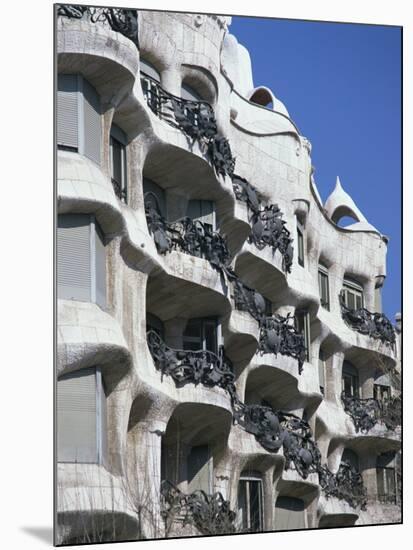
x=323 y=273
x=356 y=290
x=118 y=137
x=204 y=322
x=300 y=243
x=306 y=329
x=353 y=376
x=248 y=479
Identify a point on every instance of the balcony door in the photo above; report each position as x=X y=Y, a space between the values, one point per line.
x=201 y=334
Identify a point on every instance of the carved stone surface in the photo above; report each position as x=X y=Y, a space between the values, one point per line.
x=210 y=514
x=196 y=367
x=279 y=335
x=121 y=20
x=190 y=236
x=267 y=226
x=375 y=325
x=366 y=413
x=346 y=484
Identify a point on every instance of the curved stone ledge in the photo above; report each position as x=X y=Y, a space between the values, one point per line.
x=334 y=512
x=87 y=336
x=106 y=58
x=89 y=500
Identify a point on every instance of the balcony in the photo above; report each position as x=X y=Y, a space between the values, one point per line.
x=374 y=325
x=279 y=335
x=121 y=20
x=267 y=226
x=196 y=367
x=366 y=413
x=275 y=430
x=196 y=119
x=209 y=514
x=346 y=484
x=189 y=236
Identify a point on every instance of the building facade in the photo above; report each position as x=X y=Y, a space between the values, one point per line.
x=223 y=364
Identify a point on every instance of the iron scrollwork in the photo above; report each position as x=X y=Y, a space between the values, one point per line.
x=347 y=484
x=366 y=413
x=196 y=367
x=210 y=514
x=375 y=325
x=267 y=226
x=190 y=236
x=279 y=335
x=121 y=20
x=196 y=119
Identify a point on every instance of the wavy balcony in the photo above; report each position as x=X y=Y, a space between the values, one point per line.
x=366 y=413
x=196 y=119
x=208 y=514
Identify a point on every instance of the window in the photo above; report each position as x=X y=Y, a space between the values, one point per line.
x=351 y=458
x=155 y=324
x=200 y=469
x=204 y=211
x=81 y=417
x=350 y=380
x=321 y=373
x=303 y=326
x=187 y=92
x=150 y=78
x=118 y=162
x=382 y=393
x=250 y=503
x=352 y=295
x=154 y=196
x=201 y=334
x=300 y=244
x=81 y=259
x=78 y=116
x=386 y=477
x=324 y=287
x=289 y=514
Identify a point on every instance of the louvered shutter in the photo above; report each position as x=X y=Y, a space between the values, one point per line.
x=100 y=252
x=92 y=122
x=76 y=417
x=74 y=257
x=68 y=110
x=200 y=469
x=321 y=378
x=289 y=514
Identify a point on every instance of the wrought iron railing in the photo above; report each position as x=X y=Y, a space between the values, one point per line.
x=196 y=119
x=196 y=367
x=347 y=484
x=279 y=335
x=210 y=514
x=366 y=413
x=190 y=236
x=267 y=226
x=248 y=299
x=375 y=325
x=121 y=20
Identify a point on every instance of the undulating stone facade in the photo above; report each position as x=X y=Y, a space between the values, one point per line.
x=223 y=364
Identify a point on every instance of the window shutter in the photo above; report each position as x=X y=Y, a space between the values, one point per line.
x=290 y=514
x=74 y=257
x=100 y=252
x=200 y=469
x=321 y=378
x=92 y=122
x=76 y=417
x=67 y=110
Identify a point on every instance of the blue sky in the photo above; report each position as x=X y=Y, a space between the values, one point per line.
x=341 y=84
